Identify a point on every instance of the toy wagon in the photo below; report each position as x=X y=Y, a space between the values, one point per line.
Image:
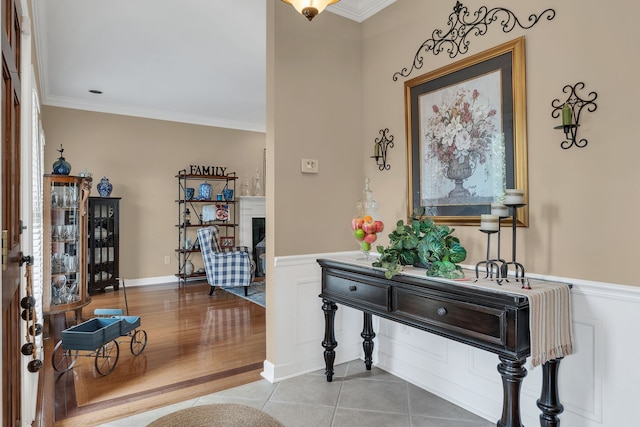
x=99 y=336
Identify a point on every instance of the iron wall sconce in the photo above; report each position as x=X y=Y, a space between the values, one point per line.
x=570 y=111
x=380 y=147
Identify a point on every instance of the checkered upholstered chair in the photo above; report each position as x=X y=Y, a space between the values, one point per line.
x=228 y=267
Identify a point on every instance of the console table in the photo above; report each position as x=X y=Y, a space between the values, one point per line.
x=494 y=321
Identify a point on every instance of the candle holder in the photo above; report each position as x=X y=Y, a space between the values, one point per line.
x=490 y=264
x=380 y=148
x=519 y=268
x=502 y=261
x=575 y=105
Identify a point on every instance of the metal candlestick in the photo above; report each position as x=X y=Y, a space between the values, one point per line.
x=519 y=268
x=502 y=261
x=489 y=263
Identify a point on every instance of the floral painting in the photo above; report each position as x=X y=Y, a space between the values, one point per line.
x=461 y=144
x=467 y=135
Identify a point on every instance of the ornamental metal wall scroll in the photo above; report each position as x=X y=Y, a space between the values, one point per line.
x=570 y=110
x=460 y=26
x=380 y=147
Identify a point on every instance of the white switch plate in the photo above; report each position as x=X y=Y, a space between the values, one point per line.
x=309 y=166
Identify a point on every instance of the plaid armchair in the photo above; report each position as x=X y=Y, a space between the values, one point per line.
x=227 y=267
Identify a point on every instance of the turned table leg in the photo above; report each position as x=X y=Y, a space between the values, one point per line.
x=513 y=372
x=368 y=335
x=549 y=402
x=329 y=343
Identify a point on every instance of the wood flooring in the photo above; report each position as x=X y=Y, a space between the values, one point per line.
x=196 y=344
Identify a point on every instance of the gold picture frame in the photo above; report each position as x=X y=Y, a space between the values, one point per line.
x=468 y=119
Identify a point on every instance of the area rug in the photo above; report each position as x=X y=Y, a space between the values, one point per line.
x=220 y=414
x=255 y=293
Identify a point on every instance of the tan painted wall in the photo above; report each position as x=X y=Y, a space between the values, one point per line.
x=317 y=113
x=141 y=158
x=583 y=202
x=332 y=92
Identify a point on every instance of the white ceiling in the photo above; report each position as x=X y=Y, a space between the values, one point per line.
x=192 y=61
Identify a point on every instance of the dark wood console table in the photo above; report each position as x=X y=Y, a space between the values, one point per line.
x=494 y=321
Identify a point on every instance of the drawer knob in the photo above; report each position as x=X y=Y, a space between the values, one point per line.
x=353 y=288
x=442 y=311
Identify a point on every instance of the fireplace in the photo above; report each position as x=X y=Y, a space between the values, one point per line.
x=252 y=226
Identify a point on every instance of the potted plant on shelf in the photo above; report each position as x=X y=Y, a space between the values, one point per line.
x=423 y=243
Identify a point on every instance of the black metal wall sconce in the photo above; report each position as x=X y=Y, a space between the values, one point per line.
x=570 y=111
x=380 y=147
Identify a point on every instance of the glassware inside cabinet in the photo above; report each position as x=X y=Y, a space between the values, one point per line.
x=65 y=196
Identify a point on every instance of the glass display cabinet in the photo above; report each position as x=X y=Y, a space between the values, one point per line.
x=65 y=243
x=104 y=237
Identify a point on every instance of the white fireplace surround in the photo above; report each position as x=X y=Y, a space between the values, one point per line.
x=250 y=207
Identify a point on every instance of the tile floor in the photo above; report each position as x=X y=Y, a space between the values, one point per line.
x=356 y=397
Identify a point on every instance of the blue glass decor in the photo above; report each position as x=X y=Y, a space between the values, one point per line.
x=206 y=191
x=61 y=166
x=189 y=193
x=227 y=193
x=104 y=187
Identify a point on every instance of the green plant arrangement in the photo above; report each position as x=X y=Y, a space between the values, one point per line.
x=422 y=243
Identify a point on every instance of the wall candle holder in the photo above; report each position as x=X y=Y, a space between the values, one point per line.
x=570 y=111
x=380 y=147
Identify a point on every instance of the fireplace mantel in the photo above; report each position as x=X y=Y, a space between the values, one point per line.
x=250 y=207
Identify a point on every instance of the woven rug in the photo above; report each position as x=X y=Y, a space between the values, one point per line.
x=255 y=293
x=223 y=414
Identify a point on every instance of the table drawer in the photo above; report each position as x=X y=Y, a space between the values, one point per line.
x=480 y=323
x=348 y=290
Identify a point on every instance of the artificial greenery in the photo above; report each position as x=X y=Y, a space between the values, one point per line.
x=422 y=242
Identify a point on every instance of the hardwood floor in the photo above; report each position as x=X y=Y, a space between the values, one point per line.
x=196 y=345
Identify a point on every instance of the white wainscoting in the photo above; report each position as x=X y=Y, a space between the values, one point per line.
x=598 y=384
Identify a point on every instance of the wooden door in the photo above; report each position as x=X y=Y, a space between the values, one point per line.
x=11 y=226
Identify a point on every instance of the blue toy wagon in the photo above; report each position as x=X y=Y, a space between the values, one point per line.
x=99 y=336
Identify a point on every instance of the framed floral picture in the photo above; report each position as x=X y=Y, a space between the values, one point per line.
x=466 y=135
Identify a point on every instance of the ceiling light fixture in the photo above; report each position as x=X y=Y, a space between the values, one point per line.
x=310 y=8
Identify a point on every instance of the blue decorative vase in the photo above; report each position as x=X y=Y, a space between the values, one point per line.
x=189 y=193
x=227 y=193
x=61 y=166
x=206 y=191
x=104 y=187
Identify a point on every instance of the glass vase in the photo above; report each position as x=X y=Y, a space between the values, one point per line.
x=366 y=225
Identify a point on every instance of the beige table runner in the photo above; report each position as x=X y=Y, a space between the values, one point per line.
x=550 y=316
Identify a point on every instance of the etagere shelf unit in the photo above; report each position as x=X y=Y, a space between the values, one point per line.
x=200 y=203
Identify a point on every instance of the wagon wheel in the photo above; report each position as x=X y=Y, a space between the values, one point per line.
x=107 y=357
x=63 y=360
x=138 y=341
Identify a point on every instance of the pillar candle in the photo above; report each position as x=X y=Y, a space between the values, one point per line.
x=514 y=197
x=566 y=115
x=489 y=222
x=376 y=150
x=499 y=209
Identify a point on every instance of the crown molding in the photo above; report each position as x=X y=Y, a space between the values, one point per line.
x=359 y=10
x=150 y=113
